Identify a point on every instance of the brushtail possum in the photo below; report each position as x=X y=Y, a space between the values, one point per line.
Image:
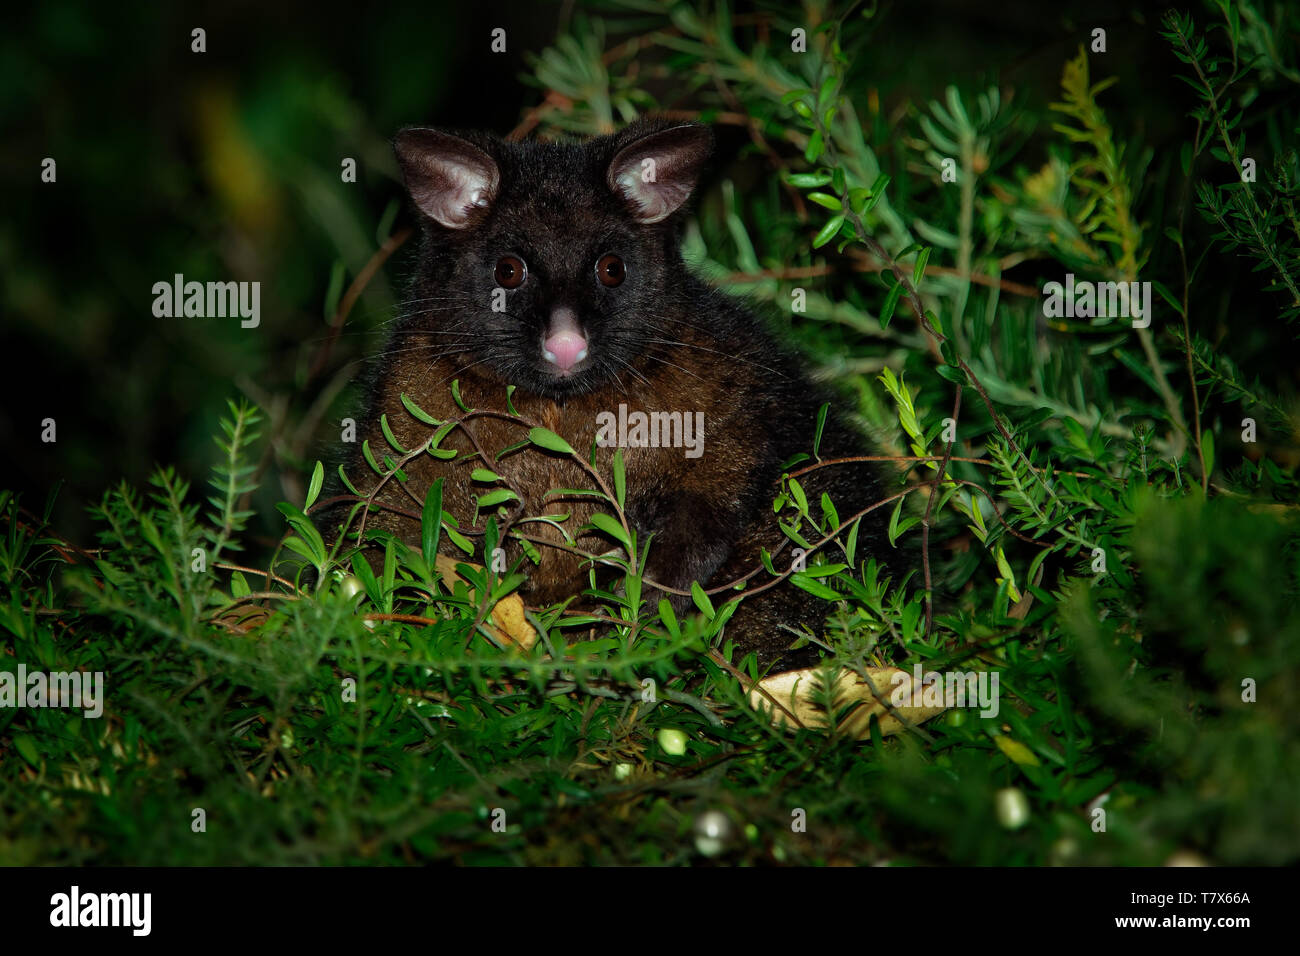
x=556 y=268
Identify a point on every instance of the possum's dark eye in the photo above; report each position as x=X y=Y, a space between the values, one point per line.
x=511 y=272
x=610 y=270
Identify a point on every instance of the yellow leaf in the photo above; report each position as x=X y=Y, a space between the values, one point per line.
x=507 y=625
x=1017 y=751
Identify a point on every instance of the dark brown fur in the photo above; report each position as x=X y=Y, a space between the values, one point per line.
x=669 y=344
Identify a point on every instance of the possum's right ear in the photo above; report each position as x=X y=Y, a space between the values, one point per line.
x=451 y=180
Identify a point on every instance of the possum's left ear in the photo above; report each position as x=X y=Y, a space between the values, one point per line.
x=655 y=173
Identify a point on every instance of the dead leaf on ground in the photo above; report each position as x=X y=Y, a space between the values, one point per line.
x=797 y=703
x=507 y=623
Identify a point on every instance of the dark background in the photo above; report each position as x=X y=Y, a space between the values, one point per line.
x=225 y=166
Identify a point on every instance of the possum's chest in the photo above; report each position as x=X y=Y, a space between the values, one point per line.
x=534 y=488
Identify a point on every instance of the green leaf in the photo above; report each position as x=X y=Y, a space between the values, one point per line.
x=612 y=528
x=1077 y=435
x=702 y=600
x=829 y=231
x=301 y=548
x=417 y=412
x=891 y=303
x=484 y=474
x=935 y=322
x=511 y=449
x=362 y=569
x=455 y=394
x=313 y=489
x=575 y=493
x=334 y=291
x=498 y=497
x=789 y=531
x=893 y=520
x=620 y=479
x=459 y=540
x=545 y=438
x=431 y=522
x=443 y=431
x=898 y=526
x=311 y=545
x=800 y=499
x=1168 y=296
x=918 y=271
x=949 y=353
x=25 y=744
x=814 y=587
x=669 y=618
x=829 y=513
x=808 y=180
x=815 y=144
x=389 y=436
x=851 y=546
x=347 y=483
x=824 y=570
x=827 y=92
x=825 y=199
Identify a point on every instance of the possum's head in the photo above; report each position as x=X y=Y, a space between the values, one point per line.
x=553 y=265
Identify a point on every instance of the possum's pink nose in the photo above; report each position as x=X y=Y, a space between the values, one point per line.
x=565 y=350
x=565 y=346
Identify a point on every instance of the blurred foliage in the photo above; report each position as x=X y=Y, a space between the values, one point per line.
x=1112 y=530
x=221 y=165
